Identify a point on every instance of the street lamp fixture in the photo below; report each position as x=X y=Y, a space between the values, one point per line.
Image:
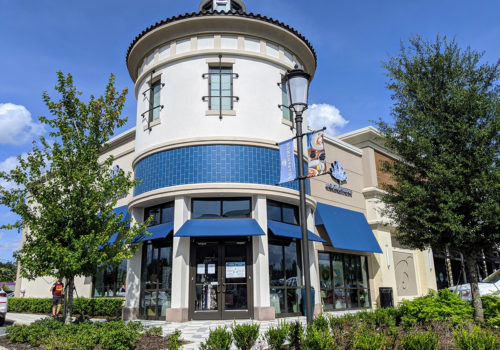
x=297 y=86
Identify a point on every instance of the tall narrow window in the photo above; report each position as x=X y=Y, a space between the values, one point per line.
x=154 y=101
x=284 y=102
x=221 y=88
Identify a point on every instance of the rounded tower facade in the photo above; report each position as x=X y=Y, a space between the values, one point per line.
x=208 y=89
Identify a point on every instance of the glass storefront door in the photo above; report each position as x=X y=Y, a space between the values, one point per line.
x=221 y=279
x=156 y=281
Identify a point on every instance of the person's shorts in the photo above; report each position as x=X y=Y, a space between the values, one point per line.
x=57 y=300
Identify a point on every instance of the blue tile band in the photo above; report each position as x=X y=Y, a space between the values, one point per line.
x=211 y=164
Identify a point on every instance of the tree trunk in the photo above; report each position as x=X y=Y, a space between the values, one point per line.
x=69 y=298
x=476 y=300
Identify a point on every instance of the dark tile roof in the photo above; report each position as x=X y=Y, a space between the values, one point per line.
x=215 y=13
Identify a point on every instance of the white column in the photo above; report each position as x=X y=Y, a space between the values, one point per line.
x=180 y=265
x=133 y=290
x=313 y=265
x=260 y=248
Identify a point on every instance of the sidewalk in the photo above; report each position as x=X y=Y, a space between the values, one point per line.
x=194 y=332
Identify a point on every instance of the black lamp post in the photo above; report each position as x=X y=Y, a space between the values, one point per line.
x=297 y=85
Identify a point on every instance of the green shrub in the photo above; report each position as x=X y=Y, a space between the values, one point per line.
x=421 y=341
x=245 y=335
x=365 y=340
x=491 y=309
x=295 y=334
x=442 y=306
x=55 y=335
x=321 y=322
x=382 y=317
x=276 y=336
x=476 y=340
x=318 y=339
x=34 y=333
x=174 y=340
x=107 y=307
x=218 y=339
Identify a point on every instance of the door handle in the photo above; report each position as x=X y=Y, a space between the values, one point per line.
x=223 y=287
x=218 y=288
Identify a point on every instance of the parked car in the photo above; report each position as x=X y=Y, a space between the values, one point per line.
x=3 y=307
x=489 y=285
x=10 y=293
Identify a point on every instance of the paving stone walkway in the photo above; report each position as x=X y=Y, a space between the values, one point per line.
x=194 y=332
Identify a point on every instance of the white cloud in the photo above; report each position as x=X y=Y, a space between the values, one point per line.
x=16 y=125
x=8 y=165
x=323 y=114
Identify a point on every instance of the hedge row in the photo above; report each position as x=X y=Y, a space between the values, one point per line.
x=108 y=307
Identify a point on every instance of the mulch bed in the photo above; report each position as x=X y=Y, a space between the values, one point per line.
x=145 y=343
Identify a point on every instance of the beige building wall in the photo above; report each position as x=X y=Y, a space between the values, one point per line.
x=408 y=272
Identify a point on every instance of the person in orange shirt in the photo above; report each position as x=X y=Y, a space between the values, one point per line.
x=57 y=290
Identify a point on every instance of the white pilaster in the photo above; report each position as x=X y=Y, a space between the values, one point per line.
x=180 y=265
x=260 y=248
x=133 y=291
x=313 y=264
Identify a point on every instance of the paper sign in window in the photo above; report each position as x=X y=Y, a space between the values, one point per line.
x=235 y=270
x=200 y=269
x=211 y=269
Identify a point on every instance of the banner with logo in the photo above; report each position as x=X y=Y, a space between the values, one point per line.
x=316 y=152
x=287 y=160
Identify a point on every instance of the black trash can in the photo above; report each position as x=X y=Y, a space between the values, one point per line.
x=386 y=299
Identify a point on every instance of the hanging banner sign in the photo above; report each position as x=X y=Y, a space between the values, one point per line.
x=316 y=151
x=287 y=160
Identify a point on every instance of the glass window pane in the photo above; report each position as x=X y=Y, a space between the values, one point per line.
x=293 y=300
x=284 y=102
x=340 y=299
x=290 y=215
x=364 y=273
x=276 y=271
x=155 y=212
x=352 y=298
x=236 y=297
x=278 y=300
x=121 y=278
x=338 y=271
x=167 y=213
x=325 y=272
x=206 y=209
x=327 y=299
x=236 y=208
x=364 y=298
x=220 y=88
x=292 y=265
x=156 y=100
x=273 y=211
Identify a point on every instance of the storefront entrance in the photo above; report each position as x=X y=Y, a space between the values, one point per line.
x=221 y=279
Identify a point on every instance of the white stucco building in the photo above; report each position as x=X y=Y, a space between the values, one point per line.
x=225 y=238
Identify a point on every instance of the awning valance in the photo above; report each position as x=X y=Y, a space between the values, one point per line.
x=219 y=228
x=157 y=232
x=347 y=229
x=291 y=231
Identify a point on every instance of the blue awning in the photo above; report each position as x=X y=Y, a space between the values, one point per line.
x=219 y=228
x=157 y=232
x=292 y=231
x=122 y=210
x=347 y=229
x=126 y=216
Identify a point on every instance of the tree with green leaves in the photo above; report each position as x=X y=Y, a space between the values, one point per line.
x=8 y=271
x=64 y=190
x=446 y=186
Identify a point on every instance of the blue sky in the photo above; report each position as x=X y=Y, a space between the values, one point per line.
x=90 y=38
